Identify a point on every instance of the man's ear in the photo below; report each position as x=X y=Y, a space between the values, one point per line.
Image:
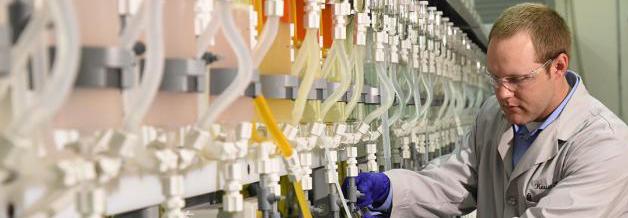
x=561 y=63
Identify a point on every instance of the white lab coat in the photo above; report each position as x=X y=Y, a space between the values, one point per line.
x=576 y=167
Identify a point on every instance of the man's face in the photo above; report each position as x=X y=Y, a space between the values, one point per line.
x=516 y=57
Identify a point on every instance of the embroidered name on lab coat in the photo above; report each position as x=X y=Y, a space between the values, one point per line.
x=540 y=185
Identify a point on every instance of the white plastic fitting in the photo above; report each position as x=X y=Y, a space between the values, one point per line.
x=167 y=159
x=173 y=190
x=352 y=162
x=196 y=139
x=264 y=160
x=120 y=143
x=186 y=157
x=203 y=10
x=233 y=201
x=405 y=148
x=330 y=166
x=273 y=8
x=76 y=170
x=312 y=14
x=108 y=168
x=381 y=39
x=394 y=49
x=294 y=166
x=341 y=10
x=316 y=131
x=306 y=164
x=363 y=22
x=340 y=130
x=422 y=144
x=290 y=132
x=91 y=203
x=371 y=164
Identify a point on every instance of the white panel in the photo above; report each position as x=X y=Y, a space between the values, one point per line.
x=623 y=41
x=595 y=46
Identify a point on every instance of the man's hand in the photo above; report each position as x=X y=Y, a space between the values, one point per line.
x=374 y=188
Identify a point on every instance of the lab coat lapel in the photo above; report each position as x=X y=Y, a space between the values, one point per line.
x=505 y=143
x=548 y=142
x=544 y=148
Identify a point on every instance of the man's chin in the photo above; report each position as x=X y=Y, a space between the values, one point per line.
x=517 y=119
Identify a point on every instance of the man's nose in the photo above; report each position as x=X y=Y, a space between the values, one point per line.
x=502 y=92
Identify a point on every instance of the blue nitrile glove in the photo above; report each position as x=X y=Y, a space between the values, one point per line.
x=372 y=215
x=373 y=186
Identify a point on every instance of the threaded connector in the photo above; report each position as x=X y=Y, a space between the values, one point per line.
x=312 y=14
x=273 y=8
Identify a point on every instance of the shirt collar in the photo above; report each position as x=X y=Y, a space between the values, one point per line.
x=573 y=79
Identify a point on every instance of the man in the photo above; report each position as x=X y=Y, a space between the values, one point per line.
x=541 y=147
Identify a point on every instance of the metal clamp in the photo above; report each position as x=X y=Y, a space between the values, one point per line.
x=372 y=95
x=183 y=75
x=220 y=78
x=106 y=67
x=5 y=51
x=347 y=96
x=332 y=86
x=319 y=90
x=279 y=86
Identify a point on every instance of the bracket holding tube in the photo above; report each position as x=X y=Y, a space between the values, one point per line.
x=220 y=78
x=279 y=86
x=183 y=75
x=106 y=67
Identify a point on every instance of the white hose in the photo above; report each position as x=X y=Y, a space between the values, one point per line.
x=388 y=90
x=470 y=97
x=25 y=46
x=40 y=64
x=329 y=61
x=478 y=98
x=417 y=98
x=404 y=80
x=453 y=102
x=400 y=95
x=344 y=74
x=64 y=71
x=134 y=27
x=142 y=97
x=445 y=103
x=461 y=98
x=358 y=69
x=300 y=60
x=245 y=68
x=205 y=39
x=343 y=202
x=408 y=87
x=428 y=101
x=313 y=66
x=266 y=39
x=4 y=87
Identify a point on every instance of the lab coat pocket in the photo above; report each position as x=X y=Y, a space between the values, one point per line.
x=538 y=189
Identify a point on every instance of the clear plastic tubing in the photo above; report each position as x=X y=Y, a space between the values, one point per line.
x=64 y=71
x=245 y=68
x=153 y=72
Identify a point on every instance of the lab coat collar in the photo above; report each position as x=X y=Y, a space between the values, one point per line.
x=548 y=142
x=572 y=116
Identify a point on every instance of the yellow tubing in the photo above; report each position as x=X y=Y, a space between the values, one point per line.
x=312 y=69
x=358 y=69
x=267 y=117
x=345 y=77
x=298 y=190
x=284 y=147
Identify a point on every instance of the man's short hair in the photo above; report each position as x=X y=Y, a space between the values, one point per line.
x=549 y=32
